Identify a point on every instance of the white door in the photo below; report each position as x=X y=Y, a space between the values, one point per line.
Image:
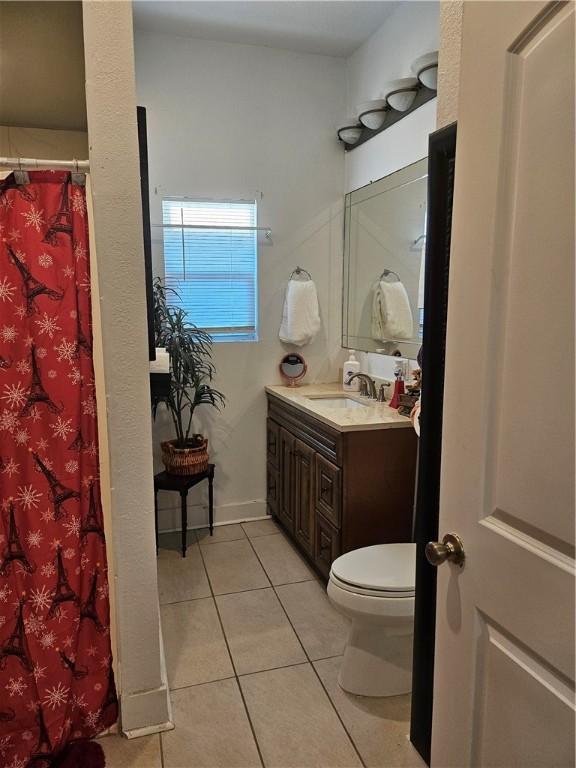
x=504 y=674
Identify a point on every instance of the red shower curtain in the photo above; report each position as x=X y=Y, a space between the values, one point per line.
x=56 y=681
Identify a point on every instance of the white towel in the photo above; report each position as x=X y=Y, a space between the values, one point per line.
x=391 y=313
x=301 y=316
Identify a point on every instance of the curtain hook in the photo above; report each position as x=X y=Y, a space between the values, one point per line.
x=19 y=163
x=76 y=164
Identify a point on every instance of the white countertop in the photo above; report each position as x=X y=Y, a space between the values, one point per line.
x=372 y=415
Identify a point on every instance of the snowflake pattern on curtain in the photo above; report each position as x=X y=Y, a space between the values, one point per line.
x=56 y=680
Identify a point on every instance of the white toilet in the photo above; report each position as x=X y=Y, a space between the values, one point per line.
x=374 y=587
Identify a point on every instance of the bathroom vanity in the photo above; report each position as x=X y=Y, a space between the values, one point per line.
x=340 y=471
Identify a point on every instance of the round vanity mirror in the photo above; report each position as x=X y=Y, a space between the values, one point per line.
x=292 y=369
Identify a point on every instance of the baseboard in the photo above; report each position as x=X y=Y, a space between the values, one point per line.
x=225 y=514
x=136 y=733
x=145 y=711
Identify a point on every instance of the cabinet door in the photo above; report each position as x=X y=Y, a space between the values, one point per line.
x=326 y=545
x=273 y=489
x=303 y=500
x=285 y=509
x=327 y=489
x=273 y=443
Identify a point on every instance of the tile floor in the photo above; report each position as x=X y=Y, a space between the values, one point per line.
x=253 y=649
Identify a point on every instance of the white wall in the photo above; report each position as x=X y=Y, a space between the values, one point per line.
x=230 y=121
x=111 y=109
x=42 y=65
x=411 y=30
x=42 y=143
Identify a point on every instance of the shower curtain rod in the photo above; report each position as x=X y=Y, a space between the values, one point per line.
x=26 y=163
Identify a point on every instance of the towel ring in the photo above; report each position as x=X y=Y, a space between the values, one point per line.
x=299 y=271
x=388 y=272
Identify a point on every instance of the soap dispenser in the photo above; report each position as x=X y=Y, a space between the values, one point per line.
x=398 y=384
x=351 y=366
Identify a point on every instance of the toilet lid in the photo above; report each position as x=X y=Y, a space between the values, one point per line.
x=385 y=567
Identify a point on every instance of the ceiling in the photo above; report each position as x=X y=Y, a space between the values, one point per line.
x=42 y=65
x=331 y=28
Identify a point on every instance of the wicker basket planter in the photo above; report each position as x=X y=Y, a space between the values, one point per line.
x=185 y=461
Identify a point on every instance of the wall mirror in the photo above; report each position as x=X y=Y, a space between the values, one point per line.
x=384 y=245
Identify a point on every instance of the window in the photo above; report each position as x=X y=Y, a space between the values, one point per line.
x=211 y=260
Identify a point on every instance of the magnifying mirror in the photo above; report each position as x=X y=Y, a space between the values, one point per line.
x=292 y=369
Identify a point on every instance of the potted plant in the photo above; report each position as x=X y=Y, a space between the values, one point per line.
x=191 y=374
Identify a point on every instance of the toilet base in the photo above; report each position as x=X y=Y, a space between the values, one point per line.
x=376 y=663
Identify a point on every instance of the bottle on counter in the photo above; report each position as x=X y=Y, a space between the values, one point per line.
x=398 y=385
x=351 y=366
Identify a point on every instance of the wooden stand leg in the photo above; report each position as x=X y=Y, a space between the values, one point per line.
x=211 y=502
x=184 y=506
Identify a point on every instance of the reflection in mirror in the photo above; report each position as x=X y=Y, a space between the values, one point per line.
x=384 y=245
x=292 y=369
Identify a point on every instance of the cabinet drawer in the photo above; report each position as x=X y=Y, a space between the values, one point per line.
x=273 y=488
x=326 y=545
x=313 y=432
x=273 y=443
x=327 y=489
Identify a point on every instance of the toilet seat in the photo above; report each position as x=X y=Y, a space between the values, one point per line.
x=382 y=593
x=384 y=570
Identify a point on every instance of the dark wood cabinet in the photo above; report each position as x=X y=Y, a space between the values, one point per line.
x=273 y=443
x=285 y=494
x=327 y=489
x=326 y=545
x=337 y=491
x=303 y=499
x=272 y=488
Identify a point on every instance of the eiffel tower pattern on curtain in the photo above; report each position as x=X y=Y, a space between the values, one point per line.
x=56 y=677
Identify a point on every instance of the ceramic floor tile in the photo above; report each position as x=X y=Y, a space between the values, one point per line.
x=378 y=726
x=258 y=528
x=194 y=644
x=181 y=578
x=294 y=721
x=232 y=566
x=259 y=634
x=221 y=533
x=212 y=729
x=280 y=560
x=322 y=630
x=132 y=753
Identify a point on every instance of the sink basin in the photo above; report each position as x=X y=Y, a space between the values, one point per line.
x=337 y=401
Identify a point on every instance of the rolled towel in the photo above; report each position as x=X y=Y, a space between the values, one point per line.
x=301 y=315
x=391 y=313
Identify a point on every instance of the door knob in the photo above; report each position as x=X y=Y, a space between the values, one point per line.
x=450 y=549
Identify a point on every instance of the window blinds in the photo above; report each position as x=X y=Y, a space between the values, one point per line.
x=213 y=264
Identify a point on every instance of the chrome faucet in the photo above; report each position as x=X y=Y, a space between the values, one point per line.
x=367 y=385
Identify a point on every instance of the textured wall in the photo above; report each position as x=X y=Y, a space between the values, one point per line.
x=413 y=29
x=451 y=12
x=111 y=105
x=232 y=121
x=42 y=143
x=42 y=65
